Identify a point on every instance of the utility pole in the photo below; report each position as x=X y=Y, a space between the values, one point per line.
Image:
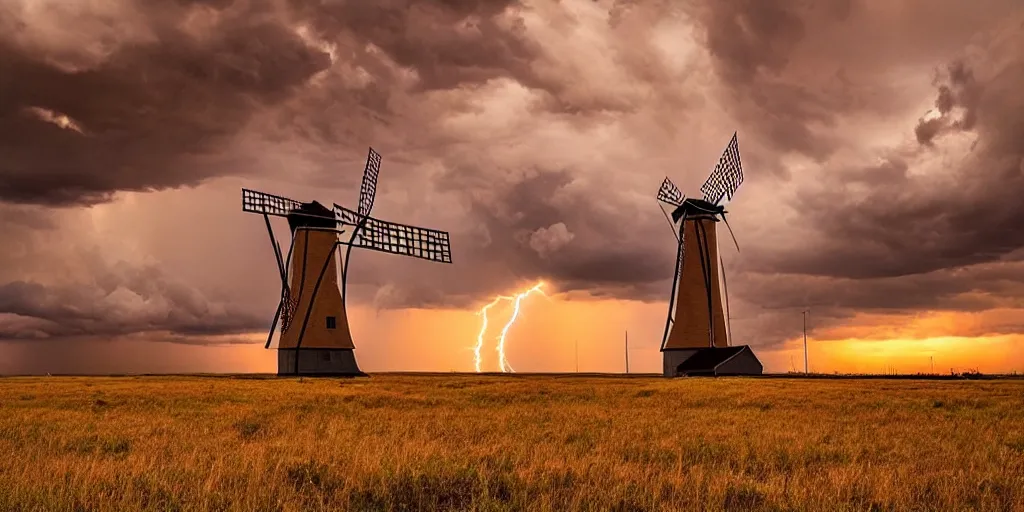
x=805 y=342
x=627 y=351
x=932 y=358
x=576 y=347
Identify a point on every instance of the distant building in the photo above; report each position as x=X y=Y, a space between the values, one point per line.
x=711 y=361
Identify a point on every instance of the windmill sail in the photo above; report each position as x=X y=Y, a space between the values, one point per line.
x=394 y=238
x=669 y=193
x=368 y=189
x=727 y=177
x=254 y=201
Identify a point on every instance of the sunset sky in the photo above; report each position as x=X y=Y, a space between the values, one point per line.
x=882 y=141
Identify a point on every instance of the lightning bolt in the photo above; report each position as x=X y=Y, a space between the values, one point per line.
x=483 y=327
x=516 y=300
x=515 y=313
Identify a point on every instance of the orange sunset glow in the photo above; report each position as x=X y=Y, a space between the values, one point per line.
x=543 y=338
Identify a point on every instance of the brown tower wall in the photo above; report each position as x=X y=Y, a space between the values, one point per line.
x=690 y=325
x=311 y=250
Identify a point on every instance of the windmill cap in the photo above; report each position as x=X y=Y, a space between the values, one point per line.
x=693 y=207
x=312 y=215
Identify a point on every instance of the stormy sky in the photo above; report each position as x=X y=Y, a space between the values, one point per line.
x=883 y=144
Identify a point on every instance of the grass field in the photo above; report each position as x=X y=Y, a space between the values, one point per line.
x=466 y=442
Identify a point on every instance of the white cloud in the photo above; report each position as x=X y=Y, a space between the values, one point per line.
x=550 y=239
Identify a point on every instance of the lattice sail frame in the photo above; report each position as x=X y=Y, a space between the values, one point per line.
x=368 y=189
x=395 y=238
x=670 y=193
x=254 y=201
x=727 y=177
x=375 y=234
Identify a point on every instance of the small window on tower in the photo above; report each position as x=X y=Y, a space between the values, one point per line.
x=332 y=323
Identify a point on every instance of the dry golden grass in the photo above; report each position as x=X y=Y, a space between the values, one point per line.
x=396 y=442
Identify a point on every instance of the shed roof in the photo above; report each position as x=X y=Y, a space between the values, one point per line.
x=708 y=358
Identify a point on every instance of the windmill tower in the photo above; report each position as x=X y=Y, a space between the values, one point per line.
x=697 y=333
x=315 y=337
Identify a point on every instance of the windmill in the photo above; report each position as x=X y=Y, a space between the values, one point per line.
x=315 y=336
x=697 y=323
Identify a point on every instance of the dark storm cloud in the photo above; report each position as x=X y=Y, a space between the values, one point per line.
x=752 y=42
x=119 y=300
x=450 y=45
x=145 y=110
x=56 y=284
x=956 y=89
x=391 y=57
x=911 y=225
x=795 y=71
x=750 y=37
x=611 y=245
x=447 y=43
x=948 y=289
